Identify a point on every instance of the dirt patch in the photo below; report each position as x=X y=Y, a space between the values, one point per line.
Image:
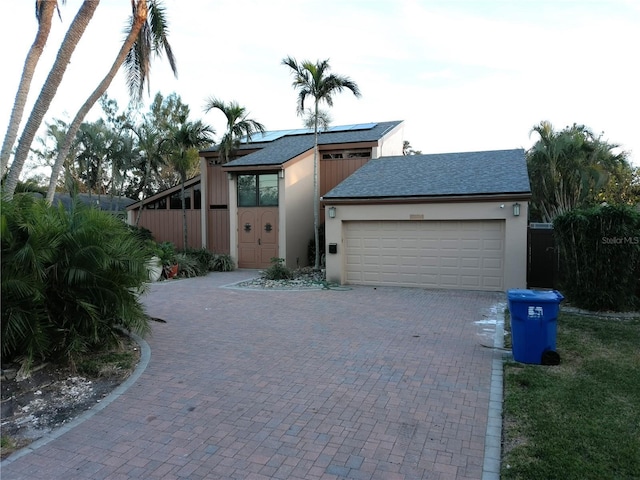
x=53 y=396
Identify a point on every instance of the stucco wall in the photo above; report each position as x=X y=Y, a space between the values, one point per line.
x=515 y=248
x=296 y=216
x=391 y=144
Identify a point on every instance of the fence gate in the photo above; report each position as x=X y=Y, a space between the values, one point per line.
x=542 y=261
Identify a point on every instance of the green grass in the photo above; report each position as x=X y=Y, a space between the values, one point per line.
x=6 y=442
x=581 y=419
x=106 y=363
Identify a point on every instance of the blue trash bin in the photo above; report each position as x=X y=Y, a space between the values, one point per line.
x=534 y=322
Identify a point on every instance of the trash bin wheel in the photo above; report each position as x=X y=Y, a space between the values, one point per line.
x=550 y=357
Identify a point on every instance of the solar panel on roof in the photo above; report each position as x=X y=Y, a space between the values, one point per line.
x=276 y=134
x=355 y=126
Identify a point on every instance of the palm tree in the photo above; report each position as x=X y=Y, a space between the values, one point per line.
x=185 y=142
x=48 y=92
x=568 y=169
x=44 y=14
x=314 y=80
x=150 y=147
x=238 y=126
x=147 y=35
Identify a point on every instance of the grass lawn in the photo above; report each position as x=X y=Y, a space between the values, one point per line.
x=580 y=419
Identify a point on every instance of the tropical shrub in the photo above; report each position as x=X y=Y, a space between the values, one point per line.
x=278 y=270
x=166 y=251
x=206 y=261
x=189 y=266
x=600 y=255
x=221 y=262
x=70 y=280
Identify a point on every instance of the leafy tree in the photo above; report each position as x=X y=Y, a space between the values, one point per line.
x=185 y=142
x=568 y=169
x=623 y=187
x=150 y=148
x=238 y=126
x=47 y=145
x=48 y=92
x=123 y=152
x=94 y=139
x=323 y=117
x=314 y=80
x=44 y=13
x=153 y=135
x=167 y=112
x=147 y=35
x=407 y=149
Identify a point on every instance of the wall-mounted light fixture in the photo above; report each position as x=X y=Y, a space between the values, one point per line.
x=229 y=176
x=516 y=209
x=281 y=173
x=332 y=212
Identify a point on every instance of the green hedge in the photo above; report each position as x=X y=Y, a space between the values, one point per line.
x=599 y=252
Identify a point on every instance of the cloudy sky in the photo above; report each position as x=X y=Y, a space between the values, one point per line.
x=464 y=75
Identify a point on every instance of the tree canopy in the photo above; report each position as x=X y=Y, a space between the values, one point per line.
x=572 y=168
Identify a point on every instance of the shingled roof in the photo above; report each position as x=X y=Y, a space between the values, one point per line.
x=296 y=142
x=445 y=174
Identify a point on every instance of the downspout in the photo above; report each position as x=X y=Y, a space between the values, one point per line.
x=204 y=202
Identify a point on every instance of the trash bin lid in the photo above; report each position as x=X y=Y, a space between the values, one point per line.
x=526 y=295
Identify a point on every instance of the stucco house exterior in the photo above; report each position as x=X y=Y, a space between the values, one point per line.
x=260 y=205
x=455 y=220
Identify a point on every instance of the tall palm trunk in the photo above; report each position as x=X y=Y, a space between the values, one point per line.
x=316 y=189
x=48 y=92
x=138 y=21
x=45 y=15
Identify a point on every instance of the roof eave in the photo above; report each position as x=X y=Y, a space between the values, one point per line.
x=523 y=196
x=192 y=181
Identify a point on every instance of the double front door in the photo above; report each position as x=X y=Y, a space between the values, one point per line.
x=257 y=236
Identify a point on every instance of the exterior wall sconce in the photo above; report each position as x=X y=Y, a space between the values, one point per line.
x=332 y=212
x=516 y=209
x=229 y=176
x=281 y=173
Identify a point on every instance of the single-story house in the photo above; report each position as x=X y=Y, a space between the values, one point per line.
x=454 y=220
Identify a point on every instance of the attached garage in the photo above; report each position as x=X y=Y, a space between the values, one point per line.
x=455 y=221
x=453 y=254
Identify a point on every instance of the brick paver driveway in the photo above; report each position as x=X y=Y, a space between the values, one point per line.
x=385 y=383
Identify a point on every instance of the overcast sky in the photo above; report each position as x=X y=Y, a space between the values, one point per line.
x=463 y=75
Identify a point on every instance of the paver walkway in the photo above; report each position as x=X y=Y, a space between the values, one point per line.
x=385 y=383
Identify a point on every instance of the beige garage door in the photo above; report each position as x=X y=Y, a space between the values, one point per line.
x=433 y=254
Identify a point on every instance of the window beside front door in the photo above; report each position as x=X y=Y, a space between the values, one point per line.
x=260 y=190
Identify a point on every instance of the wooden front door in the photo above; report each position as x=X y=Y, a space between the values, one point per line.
x=257 y=236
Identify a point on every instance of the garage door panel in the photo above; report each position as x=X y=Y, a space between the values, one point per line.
x=492 y=263
x=449 y=262
x=432 y=254
x=470 y=262
x=470 y=244
x=492 y=244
